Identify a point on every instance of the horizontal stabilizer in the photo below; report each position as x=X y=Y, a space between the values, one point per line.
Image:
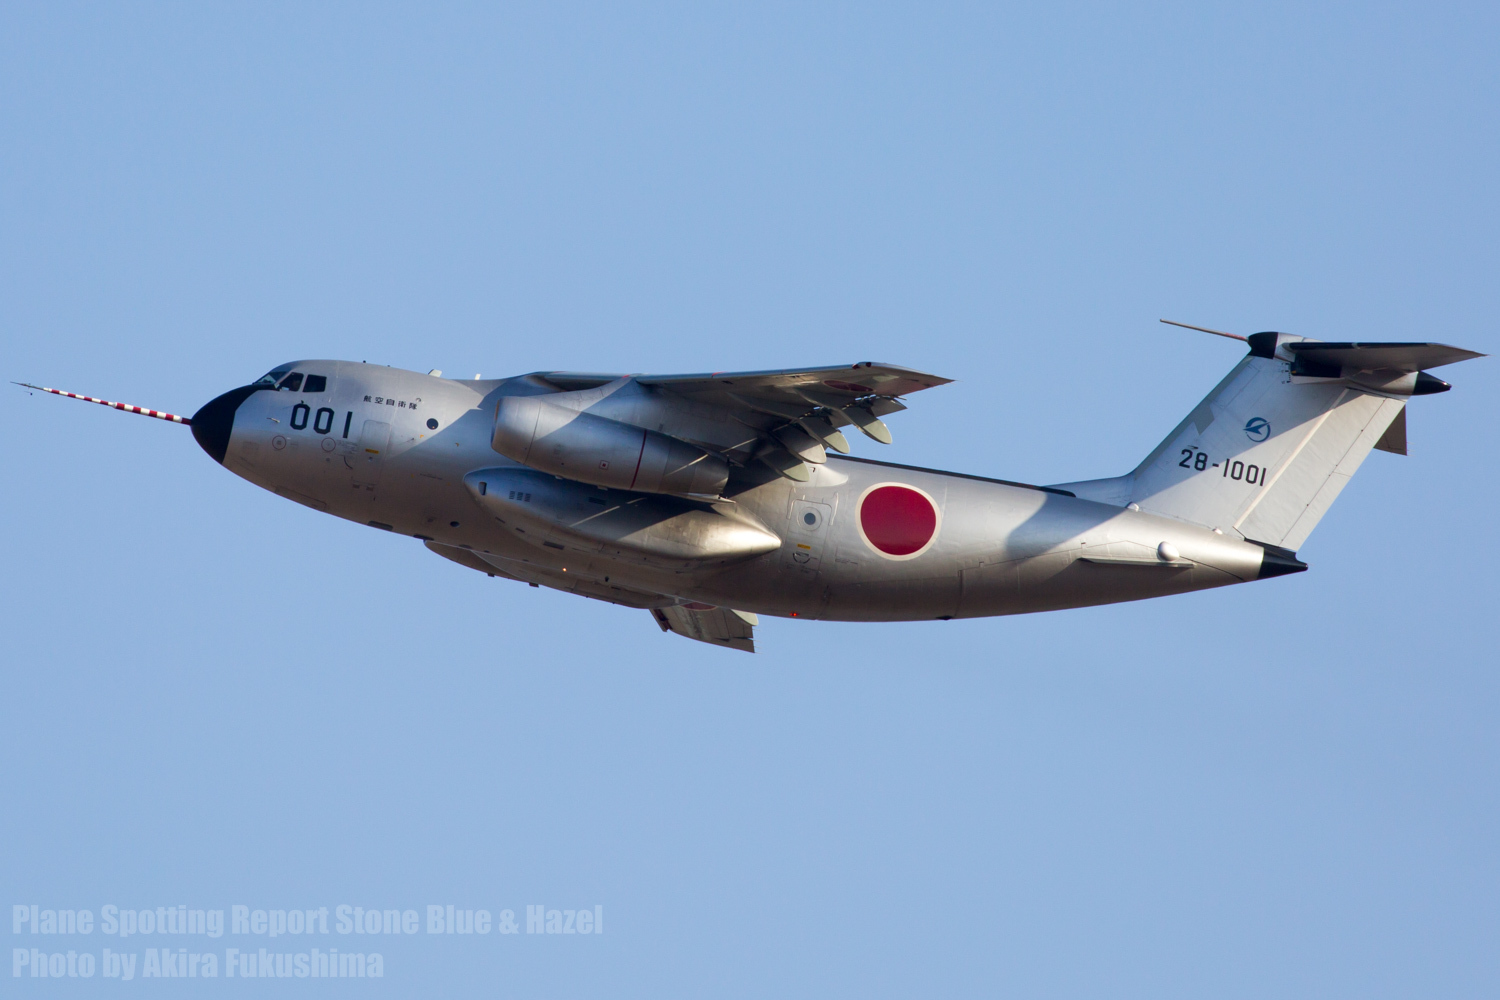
x=1400 y=357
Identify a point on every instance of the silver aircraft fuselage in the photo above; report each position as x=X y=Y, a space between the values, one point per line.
x=411 y=453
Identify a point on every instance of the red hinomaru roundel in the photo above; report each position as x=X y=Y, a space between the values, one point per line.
x=897 y=521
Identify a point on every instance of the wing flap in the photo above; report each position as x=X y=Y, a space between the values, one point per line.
x=705 y=623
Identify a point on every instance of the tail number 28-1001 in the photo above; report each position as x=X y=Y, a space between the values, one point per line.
x=1234 y=469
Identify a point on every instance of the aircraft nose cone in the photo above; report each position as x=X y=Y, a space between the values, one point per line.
x=214 y=422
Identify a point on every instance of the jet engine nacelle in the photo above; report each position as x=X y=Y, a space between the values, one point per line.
x=665 y=532
x=591 y=449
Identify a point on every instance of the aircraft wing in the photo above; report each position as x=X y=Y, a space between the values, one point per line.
x=715 y=626
x=796 y=412
x=704 y=622
x=841 y=382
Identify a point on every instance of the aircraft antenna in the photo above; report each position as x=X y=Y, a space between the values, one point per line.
x=158 y=414
x=1204 y=329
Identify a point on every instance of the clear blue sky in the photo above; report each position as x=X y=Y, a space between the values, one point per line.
x=214 y=696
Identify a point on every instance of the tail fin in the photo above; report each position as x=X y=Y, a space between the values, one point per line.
x=1268 y=450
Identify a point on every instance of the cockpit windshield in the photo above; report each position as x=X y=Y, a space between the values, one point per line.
x=287 y=380
x=269 y=379
x=281 y=378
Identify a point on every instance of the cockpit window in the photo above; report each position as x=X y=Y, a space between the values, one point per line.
x=270 y=378
x=315 y=383
x=292 y=382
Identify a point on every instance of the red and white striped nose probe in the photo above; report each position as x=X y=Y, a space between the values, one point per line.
x=158 y=414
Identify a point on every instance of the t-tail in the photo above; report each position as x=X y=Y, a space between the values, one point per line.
x=1267 y=451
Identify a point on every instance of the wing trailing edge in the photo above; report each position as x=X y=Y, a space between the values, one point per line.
x=713 y=625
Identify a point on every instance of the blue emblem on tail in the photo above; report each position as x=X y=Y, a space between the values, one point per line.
x=1257 y=429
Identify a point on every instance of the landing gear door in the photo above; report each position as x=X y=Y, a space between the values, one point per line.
x=374 y=442
x=807 y=535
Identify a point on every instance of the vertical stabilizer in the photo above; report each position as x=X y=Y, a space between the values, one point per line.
x=1268 y=450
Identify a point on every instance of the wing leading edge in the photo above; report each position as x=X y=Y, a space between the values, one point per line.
x=843 y=382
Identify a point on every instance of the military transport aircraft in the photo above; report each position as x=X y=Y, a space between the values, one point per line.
x=708 y=499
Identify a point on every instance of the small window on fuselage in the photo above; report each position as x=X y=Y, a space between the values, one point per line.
x=292 y=382
x=315 y=383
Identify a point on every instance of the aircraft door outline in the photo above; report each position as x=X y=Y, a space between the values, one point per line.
x=808 y=535
x=374 y=442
